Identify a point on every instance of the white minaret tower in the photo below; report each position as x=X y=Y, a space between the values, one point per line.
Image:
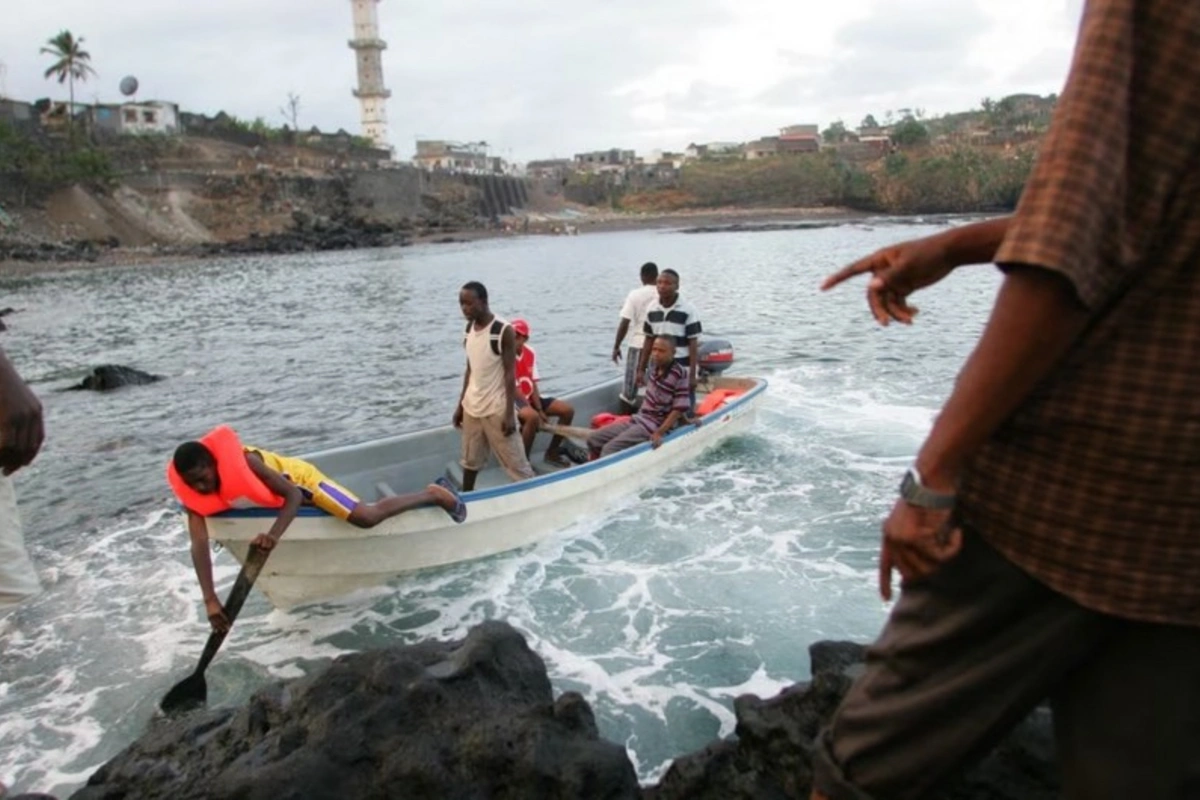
x=368 y=51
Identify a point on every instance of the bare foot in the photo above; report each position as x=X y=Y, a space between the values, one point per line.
x=442 y=496
x=450 y=500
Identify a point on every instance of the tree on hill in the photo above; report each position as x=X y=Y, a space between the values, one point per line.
x=835 y=133
x=869 y=122
x=909 y=131
x=73 y=63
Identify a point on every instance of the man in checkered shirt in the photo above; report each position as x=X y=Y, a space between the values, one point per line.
x=1048 y=533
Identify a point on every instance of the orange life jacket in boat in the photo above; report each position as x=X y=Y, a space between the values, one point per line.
x=239 y=486
x=607 y=418
x=715 y=399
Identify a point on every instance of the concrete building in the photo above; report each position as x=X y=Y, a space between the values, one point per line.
x=761 y=148
x=799 y=139
x=368 y=54
x=469 y=157
x=604 y=160
x=549 y=168
x=135 y=119
x=19 y=114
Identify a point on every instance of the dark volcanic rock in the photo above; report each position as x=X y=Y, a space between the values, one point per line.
x=771 y=754
x=477 y=719
x=310 y=233
x=468 y=719
x=113 y=376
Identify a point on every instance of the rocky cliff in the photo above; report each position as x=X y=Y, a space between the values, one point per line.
x=192 y=196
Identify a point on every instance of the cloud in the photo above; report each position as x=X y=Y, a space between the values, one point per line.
x=552 y=77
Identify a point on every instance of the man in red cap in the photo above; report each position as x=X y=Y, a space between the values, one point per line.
x=532 y=408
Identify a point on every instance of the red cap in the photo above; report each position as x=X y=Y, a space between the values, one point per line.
x=520 y=327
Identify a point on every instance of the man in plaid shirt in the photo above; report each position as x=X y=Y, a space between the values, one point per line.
x=1048 y=532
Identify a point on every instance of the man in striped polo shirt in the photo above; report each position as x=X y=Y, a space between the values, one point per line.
x=663 y=406
x=672 y=318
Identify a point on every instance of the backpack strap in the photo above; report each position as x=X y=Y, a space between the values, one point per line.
x=496 y=334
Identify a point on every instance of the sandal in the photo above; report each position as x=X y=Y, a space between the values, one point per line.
x=459 y=512
x=557 y=460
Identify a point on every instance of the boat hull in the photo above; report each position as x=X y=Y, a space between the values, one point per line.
x=322 y=557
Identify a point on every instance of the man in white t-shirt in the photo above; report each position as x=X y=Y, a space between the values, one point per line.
x=633 y=317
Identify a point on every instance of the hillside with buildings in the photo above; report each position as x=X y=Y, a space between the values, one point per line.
x=968 y=161
x=77 y=181
x=146 y=174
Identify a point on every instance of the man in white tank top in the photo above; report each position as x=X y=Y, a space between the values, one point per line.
x=486 y=411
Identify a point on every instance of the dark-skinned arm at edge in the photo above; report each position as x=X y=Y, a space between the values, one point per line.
x=1036 y=319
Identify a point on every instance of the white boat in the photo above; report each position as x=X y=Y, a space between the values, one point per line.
x=321 y=557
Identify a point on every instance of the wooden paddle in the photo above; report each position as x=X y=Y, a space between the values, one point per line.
x=569 y=431
x=192 y=691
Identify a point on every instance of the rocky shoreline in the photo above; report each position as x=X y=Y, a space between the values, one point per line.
x=478 y=718
x=306 y=234
x=309 y=233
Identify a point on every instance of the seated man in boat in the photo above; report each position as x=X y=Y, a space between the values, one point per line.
x=218 y=473
x=665 y=403
x=532 y=408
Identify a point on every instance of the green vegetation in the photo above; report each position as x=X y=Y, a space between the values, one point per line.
x=909 y=132
x=835 y=133
x=30 y=170
x=960 y=180
x=920 y=181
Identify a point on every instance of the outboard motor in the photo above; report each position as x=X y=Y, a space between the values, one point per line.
x=716 y=356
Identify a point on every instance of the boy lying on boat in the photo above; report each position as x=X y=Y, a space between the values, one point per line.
x=666 y=402
x=218 y=473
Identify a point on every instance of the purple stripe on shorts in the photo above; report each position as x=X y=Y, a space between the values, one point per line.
x=341 y=498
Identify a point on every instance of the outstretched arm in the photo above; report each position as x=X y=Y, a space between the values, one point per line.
x=901 y=269
x=282 y=487
x=202 y=562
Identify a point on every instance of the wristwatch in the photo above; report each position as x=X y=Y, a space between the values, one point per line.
x=914 y=492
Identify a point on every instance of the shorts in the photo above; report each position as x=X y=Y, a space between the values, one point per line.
x=546 y=402
x=332 y=498
x=483 y=435
x=318 y=490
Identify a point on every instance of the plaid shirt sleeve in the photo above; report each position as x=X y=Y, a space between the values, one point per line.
x=1093 y=485
x=1115 y=140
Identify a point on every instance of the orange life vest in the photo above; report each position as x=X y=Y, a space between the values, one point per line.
x=239 y=486
x=715 y=399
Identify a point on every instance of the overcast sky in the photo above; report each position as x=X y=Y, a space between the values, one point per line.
x=546 y=78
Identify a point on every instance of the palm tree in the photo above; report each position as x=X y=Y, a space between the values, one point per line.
x=74 y=63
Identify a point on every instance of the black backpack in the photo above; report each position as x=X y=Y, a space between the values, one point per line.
x=494 y=335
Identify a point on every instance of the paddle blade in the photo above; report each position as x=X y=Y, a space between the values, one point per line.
x=189 y=694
